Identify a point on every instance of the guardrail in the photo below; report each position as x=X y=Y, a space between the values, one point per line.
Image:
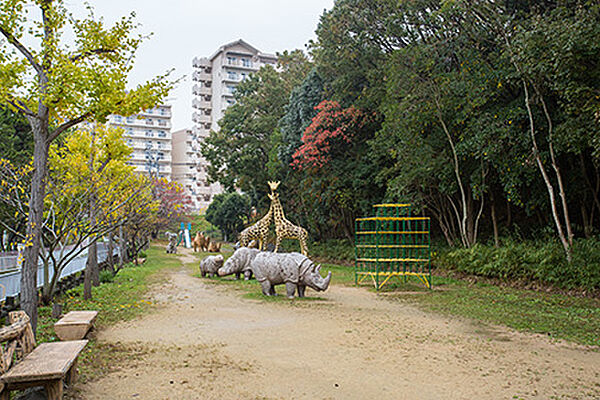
x=10 y=278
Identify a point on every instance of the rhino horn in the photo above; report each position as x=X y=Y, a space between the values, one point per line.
x=318 y=269
x=326 y=281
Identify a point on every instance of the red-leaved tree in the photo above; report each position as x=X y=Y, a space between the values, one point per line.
x=331 y=127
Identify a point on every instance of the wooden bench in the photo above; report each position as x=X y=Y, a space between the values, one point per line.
x=47 y=365
x=75 y=325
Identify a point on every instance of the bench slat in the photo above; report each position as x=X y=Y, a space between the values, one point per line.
x=45 y=362
x=75 y=325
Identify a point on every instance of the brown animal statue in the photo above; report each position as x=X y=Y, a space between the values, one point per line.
x=200 y=242
x=214 y=247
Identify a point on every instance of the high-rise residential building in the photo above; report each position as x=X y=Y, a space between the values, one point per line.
x=215 y=79
x=149 y=134
x=183 y=162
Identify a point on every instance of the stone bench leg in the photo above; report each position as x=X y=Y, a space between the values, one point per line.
x=54 y=389
x=71 y=376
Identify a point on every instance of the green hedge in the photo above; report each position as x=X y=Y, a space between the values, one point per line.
x=542 y=261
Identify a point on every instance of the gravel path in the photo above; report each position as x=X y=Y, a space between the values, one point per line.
x=207 y=342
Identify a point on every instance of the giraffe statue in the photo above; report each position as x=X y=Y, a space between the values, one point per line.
x=259 y=231
x=284 y=229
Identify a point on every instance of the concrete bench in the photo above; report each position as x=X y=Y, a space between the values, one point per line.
x=75 y=325
x=48 y=365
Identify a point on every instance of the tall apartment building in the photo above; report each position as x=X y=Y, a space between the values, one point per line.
x=149 y=134
x=183 y=162
x=215 y=79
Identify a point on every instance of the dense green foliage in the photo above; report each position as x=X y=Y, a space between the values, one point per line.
x=229 y=212
x=540 y=261
x=485 y=115
x=16 y=144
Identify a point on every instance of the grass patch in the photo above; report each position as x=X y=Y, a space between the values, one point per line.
x=120 y=300
x=558 y=316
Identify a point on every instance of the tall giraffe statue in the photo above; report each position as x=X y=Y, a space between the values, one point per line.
x=259 y=231
x=284 y=229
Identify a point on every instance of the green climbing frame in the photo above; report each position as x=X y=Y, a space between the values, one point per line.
x=393 y=243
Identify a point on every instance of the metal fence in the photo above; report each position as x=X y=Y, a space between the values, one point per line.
x=10 y=275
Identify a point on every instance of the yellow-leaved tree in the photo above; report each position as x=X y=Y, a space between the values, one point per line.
x=59 y=70
x=90 y=193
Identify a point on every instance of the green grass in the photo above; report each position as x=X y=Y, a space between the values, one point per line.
x=120 y=300
x=559 y=316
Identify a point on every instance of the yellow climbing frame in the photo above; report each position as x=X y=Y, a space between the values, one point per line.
x=393 y=244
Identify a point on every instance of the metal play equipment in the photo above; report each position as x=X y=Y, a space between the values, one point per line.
x=393 y=243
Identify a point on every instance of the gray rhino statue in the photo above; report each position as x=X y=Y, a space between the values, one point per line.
x=210 y=265
x=294 y=269
x=172 y=246
x=239 y=263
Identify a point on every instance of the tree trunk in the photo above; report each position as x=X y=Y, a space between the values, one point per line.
x=87 y=279
x=109 y=257
x=28 y=294
x=122 y=247
x=494 y=221
x=553 y=206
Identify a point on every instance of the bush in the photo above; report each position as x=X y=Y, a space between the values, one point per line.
x=332 y=249
x=142 y=254
x=106 y=276
x=540 y=261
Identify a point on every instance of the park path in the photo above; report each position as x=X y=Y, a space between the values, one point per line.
x=206 y=341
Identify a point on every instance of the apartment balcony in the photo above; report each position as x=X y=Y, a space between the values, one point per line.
x=201 y=104
x=200 y=76
x=200 y=118
x=156 y=112
x=198 y=62
x=163 y=123
x=200 y=90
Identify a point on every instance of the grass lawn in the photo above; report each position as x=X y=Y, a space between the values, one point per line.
x=122 y=299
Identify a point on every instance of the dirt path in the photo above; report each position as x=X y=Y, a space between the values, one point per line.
x=207 y=342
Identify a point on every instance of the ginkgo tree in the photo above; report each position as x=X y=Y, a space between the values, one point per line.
x=68 y=228
x=59 y=70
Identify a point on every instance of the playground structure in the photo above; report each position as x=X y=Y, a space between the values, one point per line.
x=393 y=243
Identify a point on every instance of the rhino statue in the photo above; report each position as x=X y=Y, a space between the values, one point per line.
x=210 y=265
x=294 y=269
x=172 y=246
x=239 y=263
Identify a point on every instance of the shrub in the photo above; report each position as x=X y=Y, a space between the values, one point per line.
x=533 y=261
x=142 y=254
x=106 y=276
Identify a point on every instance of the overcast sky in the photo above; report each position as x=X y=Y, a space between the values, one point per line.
x=184 y=29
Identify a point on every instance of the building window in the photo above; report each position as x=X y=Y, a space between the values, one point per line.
x=163 y=111
x=118 y=118
x=231 y=89
x=150 y=111
x=232 y=75
x=149 y=121
x=231 y=60
x=206 y=197
x=130 y=120
x=149 y=133
x=246 y=62
x=162 y=134
x=244 y=76
x=230 y=102
x=130 y=131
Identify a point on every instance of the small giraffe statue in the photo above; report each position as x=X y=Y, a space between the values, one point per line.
x=258 y=231
x=284 y=229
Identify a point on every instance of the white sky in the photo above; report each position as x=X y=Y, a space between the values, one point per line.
x=184 y=29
